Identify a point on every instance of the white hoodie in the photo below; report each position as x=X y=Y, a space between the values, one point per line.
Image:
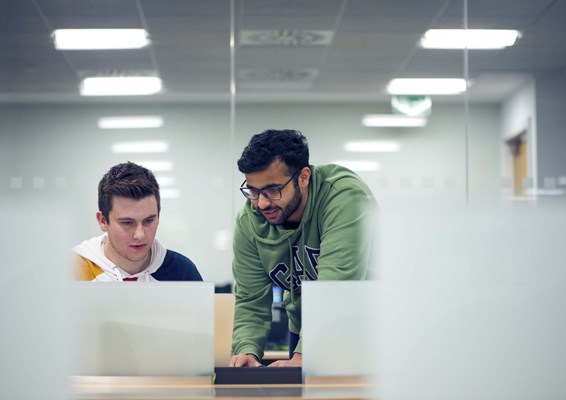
x=92 y=249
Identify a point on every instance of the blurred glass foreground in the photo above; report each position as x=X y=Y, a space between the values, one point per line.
x=471 y=303
x=34 y=312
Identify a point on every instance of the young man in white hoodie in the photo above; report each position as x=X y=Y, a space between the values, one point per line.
x=128 y=213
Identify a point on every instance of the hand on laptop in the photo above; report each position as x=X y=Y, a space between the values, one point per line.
x=244 y=360
x=296 y=361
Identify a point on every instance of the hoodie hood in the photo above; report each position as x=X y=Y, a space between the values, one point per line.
x=92 y=249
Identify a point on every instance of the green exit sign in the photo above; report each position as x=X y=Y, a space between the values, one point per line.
x=414 y=106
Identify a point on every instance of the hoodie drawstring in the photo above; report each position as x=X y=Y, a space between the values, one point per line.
x=117 y=274
x=302 y=258
x=292 y=271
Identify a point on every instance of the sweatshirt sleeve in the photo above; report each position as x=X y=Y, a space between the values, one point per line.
x=346 y=225
x=254 y=296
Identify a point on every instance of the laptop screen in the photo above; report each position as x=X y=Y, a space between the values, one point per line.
x=149 y=328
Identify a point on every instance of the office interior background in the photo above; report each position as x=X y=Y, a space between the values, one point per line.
x=230 y=69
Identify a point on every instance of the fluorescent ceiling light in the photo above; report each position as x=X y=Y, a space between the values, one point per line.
x=359 y=165
x=373 y=146
x=427 y=86
x=156 y=165
x=469 y=38
x=166 y=181
x=121 y=86
x=155 y=146
x=137 y=122
x=100 y=39
x=393 y=120
x=169 y=193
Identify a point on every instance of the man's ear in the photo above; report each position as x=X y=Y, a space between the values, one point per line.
x=304 y=177
x=101 y=221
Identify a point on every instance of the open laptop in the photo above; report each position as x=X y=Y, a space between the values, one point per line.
x=148 y=329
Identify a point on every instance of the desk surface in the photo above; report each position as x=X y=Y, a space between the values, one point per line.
x=273 y=355
x=130 y=388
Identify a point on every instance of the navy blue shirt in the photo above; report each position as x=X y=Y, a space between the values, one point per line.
x=177 y=267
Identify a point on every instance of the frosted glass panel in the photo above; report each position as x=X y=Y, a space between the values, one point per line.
x=338 y=328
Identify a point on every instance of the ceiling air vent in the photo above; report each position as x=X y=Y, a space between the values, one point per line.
x=292 y=37
x=280 y=75
x=263 y=79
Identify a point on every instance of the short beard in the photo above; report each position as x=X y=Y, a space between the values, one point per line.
x=292 y=206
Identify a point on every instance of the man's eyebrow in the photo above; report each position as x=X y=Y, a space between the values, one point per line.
x=132 y=219
x=269 y=186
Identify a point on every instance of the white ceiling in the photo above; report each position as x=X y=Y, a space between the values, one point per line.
x=370 y=42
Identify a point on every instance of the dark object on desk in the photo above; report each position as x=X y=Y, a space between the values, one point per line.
x=258 y=375
x=227 y=288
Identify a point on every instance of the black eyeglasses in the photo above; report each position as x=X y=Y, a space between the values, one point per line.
x=270 y=193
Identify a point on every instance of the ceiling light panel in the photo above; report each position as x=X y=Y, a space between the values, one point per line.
x=150 y=146
x=157 y=165
x=372 y=146
x=100 y=39
x=166 y=181
x=121 y=86
x=359 y=166
x=393 y=121
x=426 y=86
x=487 y=39
x=130 y=122
x=169 y=193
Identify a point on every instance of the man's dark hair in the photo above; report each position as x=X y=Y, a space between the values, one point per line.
x=289 y=146
x=126 y=180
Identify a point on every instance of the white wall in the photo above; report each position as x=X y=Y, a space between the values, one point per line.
x=551 y=128
x=537 y=109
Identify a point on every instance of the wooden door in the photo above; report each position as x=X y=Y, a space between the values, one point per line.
x=519 y=149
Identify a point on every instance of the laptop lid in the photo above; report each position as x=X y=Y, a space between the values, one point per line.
x=149 y=328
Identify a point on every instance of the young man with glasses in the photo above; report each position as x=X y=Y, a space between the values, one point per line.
x=300 y=222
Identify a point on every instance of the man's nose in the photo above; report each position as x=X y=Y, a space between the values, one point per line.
x=139 y=232
x=263 y=202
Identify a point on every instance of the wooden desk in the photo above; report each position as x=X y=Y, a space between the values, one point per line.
x=165 y=388
x=273 y=355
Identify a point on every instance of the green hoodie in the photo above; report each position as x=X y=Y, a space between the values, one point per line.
x=332 y=242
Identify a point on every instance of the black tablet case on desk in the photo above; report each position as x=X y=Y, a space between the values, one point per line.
x=258 y=375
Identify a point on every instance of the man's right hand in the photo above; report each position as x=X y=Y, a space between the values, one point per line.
x=244 y=360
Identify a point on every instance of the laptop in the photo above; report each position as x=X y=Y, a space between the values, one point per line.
x=143 y=329
x=339 y=324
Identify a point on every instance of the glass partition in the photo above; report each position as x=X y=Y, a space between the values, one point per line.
x=230 y=69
